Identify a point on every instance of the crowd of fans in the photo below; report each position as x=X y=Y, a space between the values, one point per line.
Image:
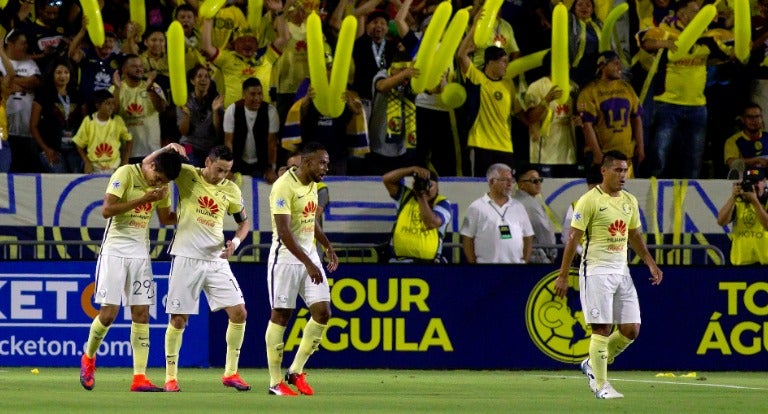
x=72 y=107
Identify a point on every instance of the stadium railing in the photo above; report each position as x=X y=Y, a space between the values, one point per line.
x=258 y=253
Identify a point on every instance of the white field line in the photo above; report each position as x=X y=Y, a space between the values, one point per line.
x=691 y=384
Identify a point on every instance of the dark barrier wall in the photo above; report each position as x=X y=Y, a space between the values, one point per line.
x=486 y=317
x=46 y=310
x=403 y=316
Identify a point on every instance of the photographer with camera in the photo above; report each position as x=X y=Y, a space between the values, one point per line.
x=422 y=216
x=747 y=208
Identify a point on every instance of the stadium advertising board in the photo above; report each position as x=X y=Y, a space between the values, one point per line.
x=46 y=309
x=496 y=317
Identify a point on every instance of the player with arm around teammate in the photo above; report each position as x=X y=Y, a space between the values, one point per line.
x=295 y=268
x=123 y=270
x=609 y=218
x=199 y=263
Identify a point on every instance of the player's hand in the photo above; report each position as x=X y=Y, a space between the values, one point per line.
x=333 y=260
x=156 y=194
x=228 y=250
x=656 y=275
x=561 y=286
x=314 y=273
x=178 y=148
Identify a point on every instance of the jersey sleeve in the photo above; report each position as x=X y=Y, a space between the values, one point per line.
x=634 y=221
x=280 y=198
x=582 y=212
x=119 y=182
x=236 y=204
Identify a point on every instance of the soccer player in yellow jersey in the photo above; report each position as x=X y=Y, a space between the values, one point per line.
x=608 y=218
x=200 y=254
x=295 y=268
x=123 y=270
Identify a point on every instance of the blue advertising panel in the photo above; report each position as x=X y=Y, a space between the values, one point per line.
x=507 y=317
x=46 y=309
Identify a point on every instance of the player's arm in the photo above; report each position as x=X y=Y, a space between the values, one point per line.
x=468 y=245
x=561 y=283
x=333 y=260
x=166 y=216
x=283 y=223
x=638 y=245
x=112 y=205
x=170 y=147
x=241 y=233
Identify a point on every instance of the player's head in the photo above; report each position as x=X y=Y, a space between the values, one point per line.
x=218 y=164
x=163 y=169
x=752 y=118
x=529 y=180
x=253 y=93
x=614 y=170
x=314 y=162
x=495 y=61
x=500 y=179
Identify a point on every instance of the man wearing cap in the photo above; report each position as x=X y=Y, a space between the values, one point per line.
x=611 y=113
x=96 y=64
x=746 y=209
x=247 y=60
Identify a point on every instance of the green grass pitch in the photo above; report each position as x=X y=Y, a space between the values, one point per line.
x=57 y=390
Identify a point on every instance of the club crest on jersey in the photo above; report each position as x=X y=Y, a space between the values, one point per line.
x=626 y=208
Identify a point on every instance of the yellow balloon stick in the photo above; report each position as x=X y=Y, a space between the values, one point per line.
x=525 y=63
x=255 y=8
x=176 y=68
x=742 y=30
x=487 y=20
x=446 y=50
x=95 y=25
x=318 y=76
x=560 y=66
x=209 y=8
x=138 y=13
x=692 y=32
x=428 y=45
x=342 y=60
x=606 y=34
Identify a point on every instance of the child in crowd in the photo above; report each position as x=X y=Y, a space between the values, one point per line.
x=103 y=140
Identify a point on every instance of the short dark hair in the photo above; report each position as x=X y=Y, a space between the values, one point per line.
x=252 y=82
x=221 y=152
x=184 y=7
x=493 y=53
x=311 y=148
x=100 y=96
x=128 y=57
x=521 y=171
x=612 y=155
x=169 y=164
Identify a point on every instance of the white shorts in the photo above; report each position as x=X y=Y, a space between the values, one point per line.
x=190 y=276
x=124 y=280
x=285 y=281
x=609 y=299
